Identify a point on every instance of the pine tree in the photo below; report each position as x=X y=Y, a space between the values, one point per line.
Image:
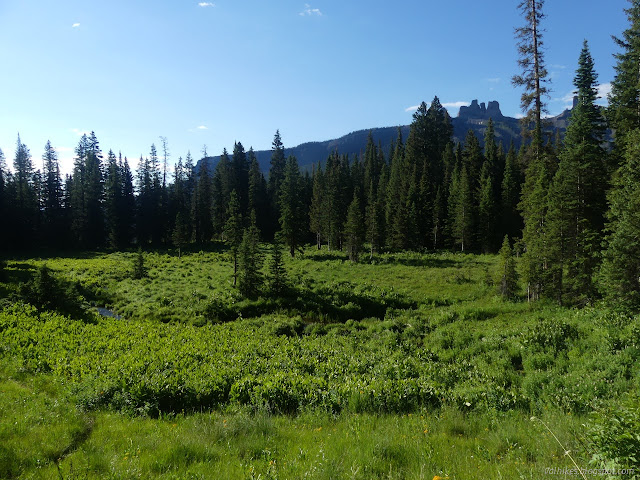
x=113 y=201
x=317 y=211
x=52 y=197
x=534 y=73
x=354 y=229
x=292 y=219
x=624 y=101
x=202 y=205
x=461 y=215
x=620 y=272
x=507 y=275
x=4 y=179
x=577 y=202
x=258 y=196
x=511 y=221
x=233 y=232
x=487 y=219
x=128 y=207
x=276 y=175
x=278 y=281
x=250 y=261
x=24 y=208
x=375 y=221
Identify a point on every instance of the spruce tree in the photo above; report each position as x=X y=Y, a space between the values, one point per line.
x=276 y=174
x=250 y=260
x=620 y=272
x=624 y=101
x=317 y=211
x=278 y=281
x=461 y=214
x=24 y=209
x=534 y=73
x=258 y=197
x=507 y=275
x=487 y=219
x=354 y=228
x=511 y=221
x=292 y=220
x=577 y=202
x=113 y=199
x=52 y=197
x=233 y=232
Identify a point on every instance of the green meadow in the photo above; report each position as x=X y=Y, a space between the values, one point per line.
x=402 y=366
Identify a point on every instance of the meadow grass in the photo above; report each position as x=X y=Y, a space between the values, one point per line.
x=407 y=365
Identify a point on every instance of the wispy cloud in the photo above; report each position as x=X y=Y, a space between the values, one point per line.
x=202 y=127
x=494 y=80
x=310 y=12
x=206 y=4
x=604 y=90
x=75 y=25
x=412 y=109
x=456 y=104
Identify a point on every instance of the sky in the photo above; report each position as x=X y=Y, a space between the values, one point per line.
x=216 y=72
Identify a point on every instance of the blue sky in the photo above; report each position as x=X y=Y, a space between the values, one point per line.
x=212 y=73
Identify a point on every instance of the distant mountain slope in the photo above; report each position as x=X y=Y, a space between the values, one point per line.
x=474 y=117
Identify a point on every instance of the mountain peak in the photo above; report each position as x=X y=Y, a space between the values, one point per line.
x=481 y=111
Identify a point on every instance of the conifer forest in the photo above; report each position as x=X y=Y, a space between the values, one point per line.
x=435 y=309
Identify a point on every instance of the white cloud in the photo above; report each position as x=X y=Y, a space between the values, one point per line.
x=310 y=12
x=604 y=90
x=202 y=127
x=75 y=25
x=206 y=4
x=456 y=104
x=412 y=109
x=493 y=80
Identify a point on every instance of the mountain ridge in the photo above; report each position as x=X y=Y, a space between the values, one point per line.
x=473 y=117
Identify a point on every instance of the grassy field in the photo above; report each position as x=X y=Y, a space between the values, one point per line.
x=406 y=366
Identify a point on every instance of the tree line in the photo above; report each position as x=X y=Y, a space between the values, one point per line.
x=569 y=206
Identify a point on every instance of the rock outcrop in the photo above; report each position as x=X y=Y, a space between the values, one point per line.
x=480 y=111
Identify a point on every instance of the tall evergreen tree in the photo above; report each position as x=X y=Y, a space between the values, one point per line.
x=511 y=221
x=354 y=229
x=52 y=197
x=540 y=166
x=24 y=201
x=624 y=100
x=202 y=206
x=461 y=214
x=233 y=231
x=258 y=196
x=487 y=219
x=577 y=203
x=317 y=211
x=292 y=220
x=276 y=174
x=113 y=190
x=620 y=273
x=534 y=73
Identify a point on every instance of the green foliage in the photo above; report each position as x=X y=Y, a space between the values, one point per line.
x=250 y=261
x=615 y=436
x=277 y=276
x=138 y=269
x=46 y=291
x=620 y=273
x=507 y=276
